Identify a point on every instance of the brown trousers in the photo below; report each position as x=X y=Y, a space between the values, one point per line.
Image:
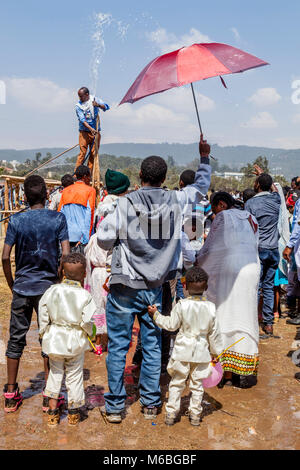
x=85 y=142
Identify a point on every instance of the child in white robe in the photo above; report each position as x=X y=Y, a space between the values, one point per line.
x=198 y=338
x=65 y=313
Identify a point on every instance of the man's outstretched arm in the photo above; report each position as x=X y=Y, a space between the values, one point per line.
x=193 y=193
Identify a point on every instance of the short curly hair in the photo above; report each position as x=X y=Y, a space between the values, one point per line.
x=265 y=182
x=196 y=274
x=67 y=180
x=35 y=190
x=74 y=258
x=82 y=171
x=187 y=177
x=153 y=170
x=224 y=197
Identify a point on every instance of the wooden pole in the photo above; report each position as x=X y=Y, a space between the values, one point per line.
x=96 y=167
x=11 y=196
x=9 y=182
x=17 y=196
x=51 y=160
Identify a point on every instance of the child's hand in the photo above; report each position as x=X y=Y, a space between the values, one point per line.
x=152 y=309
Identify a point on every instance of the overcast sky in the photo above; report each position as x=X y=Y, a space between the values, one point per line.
x=49 y=50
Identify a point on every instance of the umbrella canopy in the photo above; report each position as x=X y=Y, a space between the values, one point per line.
x=187 y=65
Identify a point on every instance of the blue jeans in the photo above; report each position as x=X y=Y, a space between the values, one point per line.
x=123 y=304
x=269 y=260
x=179 y=290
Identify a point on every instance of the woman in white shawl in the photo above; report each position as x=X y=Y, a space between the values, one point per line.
x=230 y=257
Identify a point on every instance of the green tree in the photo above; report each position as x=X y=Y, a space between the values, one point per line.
x=262 y=162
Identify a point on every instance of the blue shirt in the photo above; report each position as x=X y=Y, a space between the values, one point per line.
x=36 y=235
x=85 y=116
x=265 y=207
x=295 y=226
x=78 y=221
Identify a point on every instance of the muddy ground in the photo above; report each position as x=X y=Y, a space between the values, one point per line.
x=264 y=417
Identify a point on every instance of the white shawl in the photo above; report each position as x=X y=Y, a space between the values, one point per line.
x=88 y=106
x=230 y=257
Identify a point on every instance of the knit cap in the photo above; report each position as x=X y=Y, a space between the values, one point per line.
x=116 y=182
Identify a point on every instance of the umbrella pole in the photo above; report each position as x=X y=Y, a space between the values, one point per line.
x=196 y=108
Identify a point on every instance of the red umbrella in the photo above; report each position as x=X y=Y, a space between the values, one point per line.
x=187 y=65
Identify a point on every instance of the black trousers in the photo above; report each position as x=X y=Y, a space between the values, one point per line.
x=21 y=314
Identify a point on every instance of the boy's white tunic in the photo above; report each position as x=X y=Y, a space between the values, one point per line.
x=65 y=313
x=199 y=335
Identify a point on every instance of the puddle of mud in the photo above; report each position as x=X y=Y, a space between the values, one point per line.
x=228 y=414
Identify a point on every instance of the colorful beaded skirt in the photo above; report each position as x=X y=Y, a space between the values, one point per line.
x=241 y=364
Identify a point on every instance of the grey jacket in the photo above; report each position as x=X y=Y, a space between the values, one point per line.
x=145 y=230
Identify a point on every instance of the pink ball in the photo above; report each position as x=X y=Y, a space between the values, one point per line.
x=215 y=377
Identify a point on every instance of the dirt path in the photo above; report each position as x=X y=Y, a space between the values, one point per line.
x=264 y=417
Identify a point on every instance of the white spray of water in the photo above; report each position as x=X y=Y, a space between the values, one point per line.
x=102 y=21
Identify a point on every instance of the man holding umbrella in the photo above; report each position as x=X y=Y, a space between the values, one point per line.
x=144 y=231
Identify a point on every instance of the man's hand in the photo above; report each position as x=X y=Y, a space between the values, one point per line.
x=287 y=254
x=91 y=129
x=97 y=105
x=204 y=147
x=257 y=170
x=151 y=310
x=95 y=132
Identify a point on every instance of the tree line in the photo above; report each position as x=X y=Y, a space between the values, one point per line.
x=131 y=167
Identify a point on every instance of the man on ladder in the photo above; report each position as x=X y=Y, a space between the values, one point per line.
x=87 y=110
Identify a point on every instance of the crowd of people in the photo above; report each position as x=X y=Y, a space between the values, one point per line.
x=200 y=274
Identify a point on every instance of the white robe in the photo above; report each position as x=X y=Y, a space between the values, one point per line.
x=199 y=333
x=230 y=258
x=65 y=313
